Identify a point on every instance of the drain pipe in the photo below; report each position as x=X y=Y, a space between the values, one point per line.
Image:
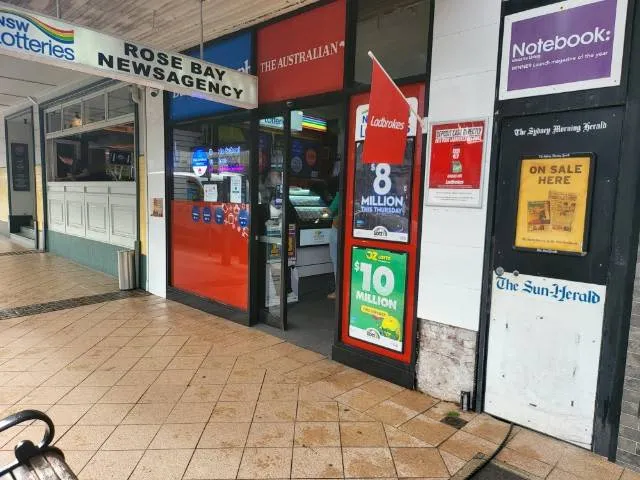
x=136 y=97
x=58 y=8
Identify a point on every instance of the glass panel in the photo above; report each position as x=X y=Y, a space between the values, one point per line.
x=387 y=27
x=94 y=110
x=210 y=212
x=72 y=116
x=54 y=121
x=120 y=102
x=105 y=154
x=270 y=226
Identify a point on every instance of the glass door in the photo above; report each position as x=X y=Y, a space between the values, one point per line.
x=273 y=234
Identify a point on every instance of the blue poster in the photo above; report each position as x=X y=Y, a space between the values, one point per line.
x=219 y=216
x=243 y=218
x=234 y=52
x=195 y=214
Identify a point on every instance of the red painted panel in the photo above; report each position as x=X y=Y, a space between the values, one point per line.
x=210 y=259
x=418 y=91
x=302 y=55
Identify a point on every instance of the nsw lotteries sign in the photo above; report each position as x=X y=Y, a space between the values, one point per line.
x=36 y=37
x=563 y=47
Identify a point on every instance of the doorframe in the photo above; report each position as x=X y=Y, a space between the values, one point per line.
x=625 y=229
x=32 y=154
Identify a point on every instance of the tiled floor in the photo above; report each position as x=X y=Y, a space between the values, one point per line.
x=143 y=388
x=39 y=278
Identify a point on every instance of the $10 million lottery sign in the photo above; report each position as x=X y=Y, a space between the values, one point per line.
x=29 y=35
x=378 y=287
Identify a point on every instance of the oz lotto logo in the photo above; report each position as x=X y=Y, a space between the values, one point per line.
x=26 y=33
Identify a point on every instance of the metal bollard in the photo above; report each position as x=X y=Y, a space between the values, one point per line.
x=126 y=269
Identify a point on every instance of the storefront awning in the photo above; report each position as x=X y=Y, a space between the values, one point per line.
x=35 y=37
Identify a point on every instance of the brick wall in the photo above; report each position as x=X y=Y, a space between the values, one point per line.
x=629 y=437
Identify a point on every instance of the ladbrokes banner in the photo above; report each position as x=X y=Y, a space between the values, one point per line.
x=32 y=36
x=553 y=204
x=388 y=121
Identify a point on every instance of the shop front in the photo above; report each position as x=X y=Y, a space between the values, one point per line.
x=91 y=172
x=264 y=205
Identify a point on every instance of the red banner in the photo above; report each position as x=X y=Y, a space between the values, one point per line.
x=387 y=122
x=455 y=168
x=302 y=55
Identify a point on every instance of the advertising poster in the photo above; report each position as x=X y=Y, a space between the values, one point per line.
x=382 y=198
x=553 y=203
x=20 y=177
x=563 y=47
x=378 y=285
x=455 y=164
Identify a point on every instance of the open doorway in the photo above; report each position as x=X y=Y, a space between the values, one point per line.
x=21 y=178
x=307 y=222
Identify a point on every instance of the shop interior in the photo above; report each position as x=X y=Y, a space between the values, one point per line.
x=313 y=218
x=103 y=155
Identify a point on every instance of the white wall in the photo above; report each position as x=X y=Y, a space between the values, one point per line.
x=463 y=77
x=155 y=157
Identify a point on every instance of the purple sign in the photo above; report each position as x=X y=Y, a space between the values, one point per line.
x=562 y=47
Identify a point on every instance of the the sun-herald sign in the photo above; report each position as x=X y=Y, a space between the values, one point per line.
x=32 y=36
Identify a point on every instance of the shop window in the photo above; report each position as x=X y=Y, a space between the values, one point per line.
x=105 y=154
x=210 y=212
x=94 y=109
x=72 y=116
x=54 y=120
x=119 y=102
x=397 y=32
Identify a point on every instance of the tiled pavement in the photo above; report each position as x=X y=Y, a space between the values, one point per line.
x=39 y=278
x=144 y=388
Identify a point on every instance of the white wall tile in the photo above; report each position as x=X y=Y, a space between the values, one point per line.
x=465 y=53
x=454 y=16
x=473 y=96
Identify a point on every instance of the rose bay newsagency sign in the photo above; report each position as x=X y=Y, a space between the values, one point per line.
x=32 y=36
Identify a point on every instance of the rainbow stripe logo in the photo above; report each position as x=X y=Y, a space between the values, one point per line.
x=54 y=33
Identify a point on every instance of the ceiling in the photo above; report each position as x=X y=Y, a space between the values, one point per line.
x=167 y=24
x=20 y=79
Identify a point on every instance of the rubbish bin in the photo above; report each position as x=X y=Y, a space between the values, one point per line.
x=127 y=269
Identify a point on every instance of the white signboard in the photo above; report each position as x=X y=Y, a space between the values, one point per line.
x=543 y=354
x=210 y=192
x=29 y=35
x=236 y=189
x=318 y=236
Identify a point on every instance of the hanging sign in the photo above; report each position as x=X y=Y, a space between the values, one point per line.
x=378 y=282
x=455 y=164
x=29 y=35
x=553 y=203
x=563 y=47
x=388 y=120
x=200 y=161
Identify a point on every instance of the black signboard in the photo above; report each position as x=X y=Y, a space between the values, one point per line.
x=382 y=198
x=20 y=177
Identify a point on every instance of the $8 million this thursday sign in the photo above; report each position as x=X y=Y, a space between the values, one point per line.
x=378 y=286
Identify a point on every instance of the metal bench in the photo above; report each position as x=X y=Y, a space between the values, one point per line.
x=35 y=462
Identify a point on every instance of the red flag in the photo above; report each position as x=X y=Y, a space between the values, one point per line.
x=387 y=121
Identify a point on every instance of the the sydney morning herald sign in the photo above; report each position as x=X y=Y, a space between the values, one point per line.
x=32 y=36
